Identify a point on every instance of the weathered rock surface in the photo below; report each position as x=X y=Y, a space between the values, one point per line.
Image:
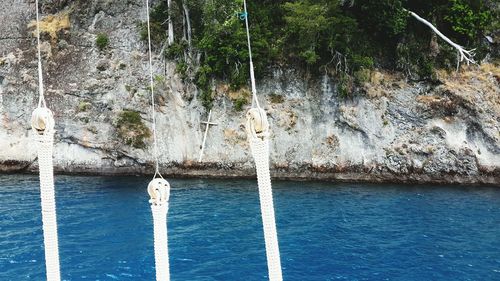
x=397 y=131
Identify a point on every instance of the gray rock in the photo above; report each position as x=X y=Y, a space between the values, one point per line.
x=406 y=132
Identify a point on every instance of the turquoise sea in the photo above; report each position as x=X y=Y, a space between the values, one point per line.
x=327 y=231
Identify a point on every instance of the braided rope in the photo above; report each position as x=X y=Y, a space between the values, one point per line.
x=161 y=241
x=258 y=134
x=47 y=194
x=43 y=125
x=260 y=152
x=158 y=188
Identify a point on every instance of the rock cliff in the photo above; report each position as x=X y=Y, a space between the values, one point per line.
x=447 y=131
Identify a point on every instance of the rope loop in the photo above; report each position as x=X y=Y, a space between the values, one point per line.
x=159 y=191
x=42 y=121
x=257 y=125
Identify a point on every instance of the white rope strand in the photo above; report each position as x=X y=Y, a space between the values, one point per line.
x=42 y=123
x=260 y=152
x=153 y=114
x=162 y=266
x=258 y=134
x=252 y=75
x=158 y=188
x=47 y=194
x=41 y=99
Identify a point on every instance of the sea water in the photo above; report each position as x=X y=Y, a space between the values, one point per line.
x=327 y=231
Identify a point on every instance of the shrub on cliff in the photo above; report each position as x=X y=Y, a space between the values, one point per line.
x=102 y=41
x=131 y=129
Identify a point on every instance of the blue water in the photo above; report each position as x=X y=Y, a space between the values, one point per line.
x=326 y=231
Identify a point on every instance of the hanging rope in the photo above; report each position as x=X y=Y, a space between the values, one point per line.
x=258 y=134
x=151 y=85
x=158 y=188
x=244 y=16
x=41 y=99
x=42 y=123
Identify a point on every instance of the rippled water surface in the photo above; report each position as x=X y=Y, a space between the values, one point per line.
x=326 y=231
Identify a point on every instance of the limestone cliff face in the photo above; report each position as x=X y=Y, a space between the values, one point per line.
x=397 y=131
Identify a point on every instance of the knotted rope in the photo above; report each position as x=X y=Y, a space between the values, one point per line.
x=42 y=123
x=257 y=128
x=158 y=188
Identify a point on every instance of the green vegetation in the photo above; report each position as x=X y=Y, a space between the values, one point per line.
x=131 y=129
x=159 y=79
x=344 y=39
x=469 y=18
x=84 y=106
x=102 y=41
x=239 y=103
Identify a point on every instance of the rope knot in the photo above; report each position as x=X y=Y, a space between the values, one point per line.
x=42 y=121
x=159 y=190
x=257 y=124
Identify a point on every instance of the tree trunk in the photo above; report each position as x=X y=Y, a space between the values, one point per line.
x=170 y=24
x=188 y=22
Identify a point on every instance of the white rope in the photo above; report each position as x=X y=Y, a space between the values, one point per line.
x=260 y=152
x=42 y=123
x=153 y=114
x=258 y=134
x=252 y=75
x=161 y=241
x=49 y=220
x=41 y=99
x=158 y=188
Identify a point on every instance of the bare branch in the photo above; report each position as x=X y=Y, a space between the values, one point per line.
x=463 y=54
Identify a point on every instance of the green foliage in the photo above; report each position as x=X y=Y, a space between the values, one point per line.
x=305 y=22
x=176 y=50
x=382 y=18
x=239 y=103
x=207 y=99
x=315 y=35
x=102 y=41
x=345 y=85
x=362 y=62
x=362 y=76
x=181 y=68
x=159 y=78
x=84 y=106
x=224 y=44
x=158 y=17
x=468 y=19
x=131 y=129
